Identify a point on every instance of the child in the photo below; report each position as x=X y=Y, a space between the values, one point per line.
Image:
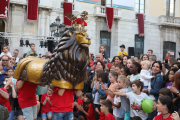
x=129 y=62
x=112 y=78
x=40 y=56
x=5 y=52
x=145 y=76
x=32 y=52
x=102 y=49
x=165 y=92
x=97 y=91
x=4 y=99
x=46 y=101
x=9 y=86
x=27 y=99
x=125 y=71
x=106 y=107
x=79 y=102
x=123 y=84
x=118 y=69
x=122 y=50
x=10 y=73
x=117 y=109
x=135 y=97
x=87 y=110
x=135 y=69
x=171 y=77
x=166 y=107
x=112 y=67
x=101 y=114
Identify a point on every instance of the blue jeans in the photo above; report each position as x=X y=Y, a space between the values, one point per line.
x=63 y=116
x=11 y=115
x=44 y=115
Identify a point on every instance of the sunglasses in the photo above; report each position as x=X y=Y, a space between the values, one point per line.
x=4 y=60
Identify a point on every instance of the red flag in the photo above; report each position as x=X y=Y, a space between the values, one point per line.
x=32 y=10
x=109 y=17
x=67 y=10
x=141 y=24
x=4 y=9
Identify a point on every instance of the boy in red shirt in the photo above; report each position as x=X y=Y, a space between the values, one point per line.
x=46 y=101
x=62 y=104
x=106 y=106
x=101 y=114
x=4 y=99
x=27 y=99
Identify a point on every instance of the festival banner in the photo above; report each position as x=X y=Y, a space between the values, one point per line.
x=67 y=10
x=109 y=17
x=4 y=9
x=32 y=10
x=141 y=24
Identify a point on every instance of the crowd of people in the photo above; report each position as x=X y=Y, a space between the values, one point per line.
x=114 y=89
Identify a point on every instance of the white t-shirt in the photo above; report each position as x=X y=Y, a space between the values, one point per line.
x=17 y=60
x=8 y=54
x=135 y=104
x=145 y=77
x=118 y=112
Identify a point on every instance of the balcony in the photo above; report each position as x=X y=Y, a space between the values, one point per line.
x=169 y=21
x=100 y=11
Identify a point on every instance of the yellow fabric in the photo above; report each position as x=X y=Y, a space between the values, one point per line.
x=124 y=53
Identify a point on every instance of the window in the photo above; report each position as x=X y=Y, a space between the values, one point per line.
x=103 y=2
x=139 y=45
x=105 y=39
x=170 y=8
x=169 y=46
x=140 y=6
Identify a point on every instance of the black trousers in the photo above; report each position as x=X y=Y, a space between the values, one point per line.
x=96 y=114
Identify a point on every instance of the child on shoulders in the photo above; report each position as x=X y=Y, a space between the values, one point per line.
x=5 y=52
x=102 y=49
x=32 y=52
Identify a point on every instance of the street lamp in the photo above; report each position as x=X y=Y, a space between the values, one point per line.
x=56 y=28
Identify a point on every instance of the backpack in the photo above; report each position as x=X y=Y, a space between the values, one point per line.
x=4 y=113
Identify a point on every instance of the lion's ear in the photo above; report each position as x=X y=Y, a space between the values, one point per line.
x=66 y=41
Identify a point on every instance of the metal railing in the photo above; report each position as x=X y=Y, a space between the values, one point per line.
x=102 y=10
x=169 y=19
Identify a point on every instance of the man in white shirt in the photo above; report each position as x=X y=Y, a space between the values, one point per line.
x=15 y=54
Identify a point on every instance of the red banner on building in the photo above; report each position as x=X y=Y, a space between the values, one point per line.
x=32 y=10
x=109 y=17
x=4 y=9
x=67 y=10
x=141 y=24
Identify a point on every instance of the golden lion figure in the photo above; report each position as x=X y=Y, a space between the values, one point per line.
x=67 y=67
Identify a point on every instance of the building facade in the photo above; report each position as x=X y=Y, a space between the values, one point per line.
x=161 y=25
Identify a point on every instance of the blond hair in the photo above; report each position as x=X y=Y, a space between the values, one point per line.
x=146 y=62
x=102 y=46
x=124 y=79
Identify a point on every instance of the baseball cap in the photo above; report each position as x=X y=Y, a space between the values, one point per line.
x=122 y=46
